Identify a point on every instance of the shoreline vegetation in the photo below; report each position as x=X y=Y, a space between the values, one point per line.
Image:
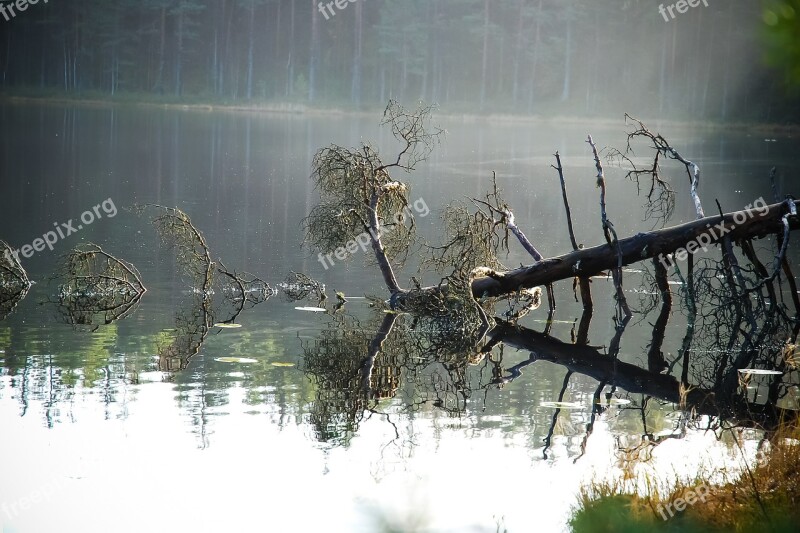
x=199 y=104
x=762 y=497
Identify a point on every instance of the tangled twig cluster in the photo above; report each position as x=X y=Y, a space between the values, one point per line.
x=96 y=288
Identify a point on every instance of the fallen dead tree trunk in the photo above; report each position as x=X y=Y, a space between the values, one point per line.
x=755 y=223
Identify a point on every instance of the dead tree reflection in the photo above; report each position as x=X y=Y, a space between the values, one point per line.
x=346 y=364
x=356 y=365
x=428 y=367
x=298 y=286
x=14 y=281
x=218 y=295
x=95 y=288
x=203 y=313
x=730 y=298
x=240 y=292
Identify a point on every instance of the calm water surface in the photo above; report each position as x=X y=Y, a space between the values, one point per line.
x=96 y=438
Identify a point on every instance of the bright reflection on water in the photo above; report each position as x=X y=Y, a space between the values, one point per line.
x=96 y=438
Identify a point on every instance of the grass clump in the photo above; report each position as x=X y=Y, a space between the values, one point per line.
x=764 y=497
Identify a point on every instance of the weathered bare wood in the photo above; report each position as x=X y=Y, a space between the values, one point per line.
x=374 y=227
x=591 y=261
x=560 y=171
x=521 y=237
x=609 y=232
x=663 y=147
x=586 y=290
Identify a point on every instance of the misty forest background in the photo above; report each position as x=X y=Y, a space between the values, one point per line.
x=577 y=57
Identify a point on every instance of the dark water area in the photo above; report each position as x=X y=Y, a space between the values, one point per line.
x=94 y=431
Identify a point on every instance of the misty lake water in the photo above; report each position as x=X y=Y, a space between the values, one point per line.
x=96 y=438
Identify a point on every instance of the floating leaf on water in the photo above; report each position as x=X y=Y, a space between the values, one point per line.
x=235 y=360
x=563 y=405
x=227 y=326
x=312 y=309
x=759 y=372
x=282 y=364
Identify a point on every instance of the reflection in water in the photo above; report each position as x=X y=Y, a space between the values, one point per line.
x=476 y=393
x=14 y=282
x=338 y=361
x=298 y=286
x=355 y=365
x=96 y=288
x=734 y=320
x=192 y=324
x=241 y=291
x=218 y=295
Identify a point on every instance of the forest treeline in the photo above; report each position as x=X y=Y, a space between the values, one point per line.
x=582 y=57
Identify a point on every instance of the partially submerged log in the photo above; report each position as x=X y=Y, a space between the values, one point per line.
x=756 y=223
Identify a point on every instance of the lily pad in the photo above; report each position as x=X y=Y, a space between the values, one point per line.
x=235 y=360
x=312 y=309
x=563 y=405
x=227 y=326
